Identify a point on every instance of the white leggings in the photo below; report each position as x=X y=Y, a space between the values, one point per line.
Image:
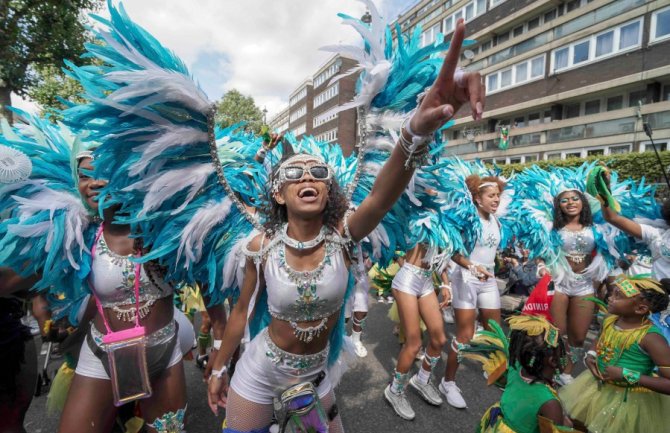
x=413 y=280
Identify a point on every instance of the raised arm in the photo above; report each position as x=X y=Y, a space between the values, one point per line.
x=451 y=89
x=621 y=222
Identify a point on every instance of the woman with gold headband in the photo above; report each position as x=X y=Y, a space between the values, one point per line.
x=627 y=385
x=526 y=364
x=554 y=218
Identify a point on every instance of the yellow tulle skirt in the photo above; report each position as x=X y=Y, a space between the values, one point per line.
x=609 y=408
x=493 y=422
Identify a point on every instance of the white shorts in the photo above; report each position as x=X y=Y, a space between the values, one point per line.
x=265 y=371
x=413 y=280
x=572 y=287
x=469 y=293
x=90 y=365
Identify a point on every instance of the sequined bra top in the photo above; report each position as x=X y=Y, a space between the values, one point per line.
x=577 y=245
x=296 y=296
x=113 y=279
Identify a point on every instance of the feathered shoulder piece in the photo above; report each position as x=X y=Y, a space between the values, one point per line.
x=533 y=214
x=183 y=184
x=491 y=348
x=46 y=227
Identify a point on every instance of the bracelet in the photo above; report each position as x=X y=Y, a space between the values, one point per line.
x=218 y=373
x=630 y=376
x=539 y=268
x=445 y=286
x=261 y=152
x=416 y=150
x=590 y=353
x=216 y=345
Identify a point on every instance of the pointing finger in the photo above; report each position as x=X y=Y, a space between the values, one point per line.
x=453 y=55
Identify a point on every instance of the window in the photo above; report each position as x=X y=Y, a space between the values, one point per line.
x=323 y=76
x=604 y=43
x=636 y=98
x=622 y=148
x=530 y=158
x=571 y=6
x=486 y=45
x=594 y=152
x=519 y=122
x=469 y=11
x=431 y=35
x=448 y=24
x=580 y=52
x=630 y=35
x=550 y=16
x=666 y=93
x=299 y=130
x=503 y=37
x=520 y=73
x=533 y=119
x=298 y=96
x=614 y=103
x=534 y=23
x=297 y=114
x=328 y=136
x=592 y=107
x=573 y=155
x=608 y=43
x=327 y=94
x=553 y=156
x=648 y=147
x=518 y=31
x=547 y=116
x=320 y=120
x=571 y=111
x=660 y=25
x=515 y=160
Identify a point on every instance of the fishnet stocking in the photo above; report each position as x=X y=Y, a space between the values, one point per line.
x=245 y=415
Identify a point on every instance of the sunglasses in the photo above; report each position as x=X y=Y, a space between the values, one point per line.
x=297 y=172
x=567 y=199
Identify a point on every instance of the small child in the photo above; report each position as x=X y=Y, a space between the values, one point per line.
x=527 y=364
x=621 y=392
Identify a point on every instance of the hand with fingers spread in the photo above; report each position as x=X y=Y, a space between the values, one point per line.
x=452 y=88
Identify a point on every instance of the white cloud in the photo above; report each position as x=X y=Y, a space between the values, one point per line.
x=268 y=47
x=25 y=104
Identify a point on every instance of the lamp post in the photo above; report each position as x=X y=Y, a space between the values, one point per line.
x=265 y=113
x=367 y=18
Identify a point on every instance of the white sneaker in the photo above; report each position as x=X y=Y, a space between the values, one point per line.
x=360 y=350
x=380 y=299
x=390 y=299
x=564 y=379
x=448 y=315
x=453 y=394
x=427 y=391
x=399 y=403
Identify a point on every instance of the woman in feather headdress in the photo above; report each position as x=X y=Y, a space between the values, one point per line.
x=308 y=245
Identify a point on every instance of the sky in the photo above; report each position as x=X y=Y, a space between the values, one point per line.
x=263 y=48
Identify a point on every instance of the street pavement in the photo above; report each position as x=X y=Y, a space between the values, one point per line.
x=359 y=395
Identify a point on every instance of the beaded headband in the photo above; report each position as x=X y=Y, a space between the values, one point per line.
x=487 y=184
x=534 y=326
x=633 y=286
x=567 y=190
x=84 y=154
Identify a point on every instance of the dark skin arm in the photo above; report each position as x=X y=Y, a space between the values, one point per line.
x=622 y=223
x=656 y=346
x=11 y=282
x=553 y=411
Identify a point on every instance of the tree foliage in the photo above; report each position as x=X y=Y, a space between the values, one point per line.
x=52 y=87
x=36 y=33
x=234 y=108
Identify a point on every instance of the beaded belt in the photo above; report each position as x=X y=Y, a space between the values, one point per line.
x=157 y=337
x=301 y=363
x=418 y=271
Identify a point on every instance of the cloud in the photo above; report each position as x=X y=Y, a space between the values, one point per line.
x=262 y=48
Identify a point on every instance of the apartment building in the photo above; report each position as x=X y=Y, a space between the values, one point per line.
x=564 y=78
x=314 y=97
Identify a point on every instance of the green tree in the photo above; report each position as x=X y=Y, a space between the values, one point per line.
x=36 y=33
x=234 y=107
x=53 y=86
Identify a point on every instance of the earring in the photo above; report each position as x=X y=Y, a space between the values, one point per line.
x=532 y=361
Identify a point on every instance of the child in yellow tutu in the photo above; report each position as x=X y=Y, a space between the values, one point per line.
x=621 y=393
x=527 y=364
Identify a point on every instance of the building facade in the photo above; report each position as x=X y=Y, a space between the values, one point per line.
x=563 y=78
x=309 y=103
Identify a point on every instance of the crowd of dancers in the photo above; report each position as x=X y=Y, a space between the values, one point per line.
x=137 y=198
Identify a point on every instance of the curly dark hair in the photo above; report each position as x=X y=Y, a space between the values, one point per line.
x=336 y=206
x=531 y=353
x=657 y=301
x=585 y=217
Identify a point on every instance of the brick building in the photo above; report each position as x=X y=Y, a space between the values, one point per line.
x=314 y=97
x=569 y=78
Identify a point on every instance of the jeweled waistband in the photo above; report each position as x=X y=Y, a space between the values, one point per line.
x=418 y=271
x=157 y=337
x=292 y=360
